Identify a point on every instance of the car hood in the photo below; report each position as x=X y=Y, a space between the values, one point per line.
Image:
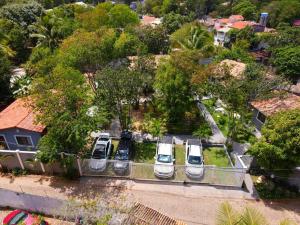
x=97 y=164
x=193 y=170
x=162 y=168
x=121 y=164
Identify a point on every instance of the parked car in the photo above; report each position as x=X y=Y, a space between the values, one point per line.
x=124 y=153
x=22 y=217
x=164 y=160
x=101 y=152
x=194 y=163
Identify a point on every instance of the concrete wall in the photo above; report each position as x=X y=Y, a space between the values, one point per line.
x=11 y=141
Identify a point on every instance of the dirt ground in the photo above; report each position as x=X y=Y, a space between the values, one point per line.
x=51 y=221
x=192 y=204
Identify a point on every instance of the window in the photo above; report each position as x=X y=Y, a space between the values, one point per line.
x=24 y=140
x=261 y=117
x=3 y=144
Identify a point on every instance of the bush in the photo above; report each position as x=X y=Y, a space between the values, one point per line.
x=19 y=172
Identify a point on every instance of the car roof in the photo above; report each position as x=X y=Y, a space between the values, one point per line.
x=165 y=149
x=195 y=150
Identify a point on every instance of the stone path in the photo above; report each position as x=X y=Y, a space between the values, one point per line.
x=218 y=136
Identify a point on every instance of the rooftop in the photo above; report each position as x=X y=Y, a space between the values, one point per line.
x=241 y=24
x=150 y=20
x=277 y=104
x=19 y=115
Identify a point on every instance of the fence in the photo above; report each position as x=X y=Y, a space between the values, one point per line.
x=141 y=171
x=212 y=175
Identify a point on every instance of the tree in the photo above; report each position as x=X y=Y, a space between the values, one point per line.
x=22 y=14
x=279 y=146
x=172 y=91
x=173 y=21
x=282 y=11
x=157 y=127
x=245 y=8
x=121 y=16
x=128 y=45
x=193 y=37
x=62 y=100
x=88 y=51
x=5 y=92
x=249 y=216
x=155 y=38
x=286 y=60
x=118 y=89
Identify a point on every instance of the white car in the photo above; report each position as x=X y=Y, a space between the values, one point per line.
x=101 y=152
x=164 y=160
x=194 y=163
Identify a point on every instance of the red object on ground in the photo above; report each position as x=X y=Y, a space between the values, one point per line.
x=17 y=216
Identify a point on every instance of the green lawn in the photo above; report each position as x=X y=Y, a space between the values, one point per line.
x=215 y=156
x=115 y=144
x=144 y=152
x=179 y=154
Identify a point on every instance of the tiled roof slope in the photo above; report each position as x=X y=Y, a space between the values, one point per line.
x=277 y=104
x=19 y=115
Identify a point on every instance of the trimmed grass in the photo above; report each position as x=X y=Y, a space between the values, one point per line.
x=144 y=152
x=215 y=156
x=115 y=144
x=179 y=154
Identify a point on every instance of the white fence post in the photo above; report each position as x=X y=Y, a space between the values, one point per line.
x=19 y=158
x=43 y=167
x=79 y=166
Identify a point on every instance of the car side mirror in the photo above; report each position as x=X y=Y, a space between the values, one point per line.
x=173 y=160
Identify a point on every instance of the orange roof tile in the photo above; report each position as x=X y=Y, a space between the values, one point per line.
x=241 y=24
x=223 y=20
x=19 y=115
x=236 y=18
x=277 y=104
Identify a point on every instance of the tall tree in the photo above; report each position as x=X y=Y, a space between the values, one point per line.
x=279 y=147
x=5 y=92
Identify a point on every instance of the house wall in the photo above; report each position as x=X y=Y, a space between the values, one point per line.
x=11 y=141
x=256 y=122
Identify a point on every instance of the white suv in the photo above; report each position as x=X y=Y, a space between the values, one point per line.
x=101 y=152
x=164 y=160
x=194 y=163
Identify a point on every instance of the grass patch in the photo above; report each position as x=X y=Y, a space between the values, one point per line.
x=216 y=156
x=180 y=154
x=144 y=152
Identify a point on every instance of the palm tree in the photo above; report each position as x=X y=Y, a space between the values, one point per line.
x=4 y=157
x=4 y=47
x=250 y=216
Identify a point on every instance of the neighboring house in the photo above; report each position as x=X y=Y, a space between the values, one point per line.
x=296 y=23
x=150 y=20
x=265 y=108
x=17 y=127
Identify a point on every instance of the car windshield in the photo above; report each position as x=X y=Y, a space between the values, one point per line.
x=194 y=159
x=99 y=152
x=122 y=154
x=164 y=158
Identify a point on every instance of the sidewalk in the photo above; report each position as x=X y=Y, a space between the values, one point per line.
x=193 y=204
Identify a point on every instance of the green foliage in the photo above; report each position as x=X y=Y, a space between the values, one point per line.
x=282 y=11
x=62 y=100
x=192 y=36
x=118 y=89
x=19 y=172
x=286 y=60
x=173 y=21
x=155 y=127
x=88 y=51
x=172 y=88
x=279 y=146
x=155 y=38
x=5 y=92
x=128 y=45
x=22 y=14
x=245 y=8
x=121 y=16
x=238 y=52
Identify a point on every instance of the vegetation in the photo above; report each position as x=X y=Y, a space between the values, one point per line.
x=215 y=156
x=278 y=148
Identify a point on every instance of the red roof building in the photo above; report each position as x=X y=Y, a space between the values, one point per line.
x=19 y=115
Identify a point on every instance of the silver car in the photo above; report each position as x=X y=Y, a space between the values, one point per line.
x=194 y=163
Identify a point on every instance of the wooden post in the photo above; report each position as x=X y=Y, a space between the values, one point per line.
x=79 y=166
x=19 y=158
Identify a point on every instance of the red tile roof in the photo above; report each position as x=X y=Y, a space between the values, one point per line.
x=19 y=115
x=296 y=23
x=236 y=18
x=277 y=104
x=241 y=24
x=223 y=20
